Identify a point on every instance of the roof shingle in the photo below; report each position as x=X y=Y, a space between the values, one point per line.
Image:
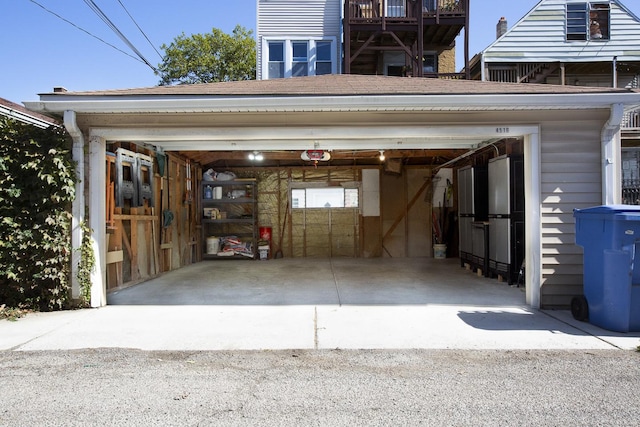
x=347 y=85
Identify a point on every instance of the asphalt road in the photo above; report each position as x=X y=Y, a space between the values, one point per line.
x=116 y=387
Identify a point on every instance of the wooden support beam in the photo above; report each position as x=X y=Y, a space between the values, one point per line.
x=409 y=206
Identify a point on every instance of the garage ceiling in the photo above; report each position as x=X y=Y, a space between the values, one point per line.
x=292 y=158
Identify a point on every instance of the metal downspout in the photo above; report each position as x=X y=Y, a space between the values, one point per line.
x=610 y=143
x=77 y=208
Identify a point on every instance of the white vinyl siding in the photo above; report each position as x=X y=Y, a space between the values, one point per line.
x=294 y=20
x=541 y=36
x=571 y=176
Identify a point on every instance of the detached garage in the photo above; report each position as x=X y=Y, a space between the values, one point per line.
x=184 y=174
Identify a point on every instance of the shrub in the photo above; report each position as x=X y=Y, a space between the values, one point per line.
x=37 y=186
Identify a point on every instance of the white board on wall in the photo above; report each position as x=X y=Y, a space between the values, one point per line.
x=370 y=192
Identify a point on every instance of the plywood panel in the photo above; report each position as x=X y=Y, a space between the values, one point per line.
x=393 y=209
x=419 y=226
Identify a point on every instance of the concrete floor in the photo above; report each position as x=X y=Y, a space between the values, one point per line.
x=308 y=281
x=280 y=304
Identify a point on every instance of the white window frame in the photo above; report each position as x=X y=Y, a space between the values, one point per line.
x=345 y=187
x=571 y=33
x=300 y=60
x=268 y=57
x=288 y=54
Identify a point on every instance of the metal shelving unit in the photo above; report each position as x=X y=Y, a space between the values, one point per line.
x=230 y=218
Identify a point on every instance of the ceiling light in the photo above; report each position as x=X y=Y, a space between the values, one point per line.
x=256 y=156
x=381 y=157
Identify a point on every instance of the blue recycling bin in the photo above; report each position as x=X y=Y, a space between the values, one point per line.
x=610 y=236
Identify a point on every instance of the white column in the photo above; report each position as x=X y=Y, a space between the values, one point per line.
x=533 y=220
x=612 y=157
x=98 y=218
x=77 y=208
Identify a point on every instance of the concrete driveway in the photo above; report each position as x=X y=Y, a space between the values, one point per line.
x=381 y=303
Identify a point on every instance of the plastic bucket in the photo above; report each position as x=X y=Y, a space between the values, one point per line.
x=265 y=233
x=213 y=244
x=439 y=251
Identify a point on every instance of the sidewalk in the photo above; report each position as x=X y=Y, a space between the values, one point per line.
x=226 y=327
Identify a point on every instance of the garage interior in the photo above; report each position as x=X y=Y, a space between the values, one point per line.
x=404 y=204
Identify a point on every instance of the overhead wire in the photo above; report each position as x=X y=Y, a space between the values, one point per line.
x=85 y=31
x=115 y=29
x=142 y=32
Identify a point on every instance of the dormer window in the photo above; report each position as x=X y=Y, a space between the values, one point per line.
x=588 y=21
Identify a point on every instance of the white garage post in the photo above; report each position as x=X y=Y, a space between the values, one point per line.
x=611 y=157
x=77 y=209
x=533 y=257
x=98 y=219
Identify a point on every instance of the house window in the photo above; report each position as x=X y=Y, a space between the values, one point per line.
x=293 y=58
x=599 y=21
x=588 y=21
x=429 y=63
x=323 y=58
x=324 y=197
x=395 y=8
x=300 y=65
x=276 y=59
x=428 y=5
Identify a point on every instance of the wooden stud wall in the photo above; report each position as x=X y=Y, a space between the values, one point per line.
x=139 y=245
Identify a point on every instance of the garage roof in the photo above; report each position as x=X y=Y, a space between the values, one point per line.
x=347 y=84
x=335 y=112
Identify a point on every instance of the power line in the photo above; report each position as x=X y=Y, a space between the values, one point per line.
x=115 y=29
x=85 y=31
x=143 y=33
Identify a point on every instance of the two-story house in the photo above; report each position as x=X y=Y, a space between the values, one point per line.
x=579 y=43
x=567 y=42
x=298 y=38
x=374 y=37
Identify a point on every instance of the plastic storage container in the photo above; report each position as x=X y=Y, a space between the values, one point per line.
x=610 y=236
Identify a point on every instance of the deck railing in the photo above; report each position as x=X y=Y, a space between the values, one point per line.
x=375 y=10
x=631 y=121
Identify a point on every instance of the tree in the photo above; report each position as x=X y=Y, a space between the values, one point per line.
x=211 y=57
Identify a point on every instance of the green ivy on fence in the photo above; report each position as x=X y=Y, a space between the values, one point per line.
x=37 y=186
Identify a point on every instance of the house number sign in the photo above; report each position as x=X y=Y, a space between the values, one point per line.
x=502 y=130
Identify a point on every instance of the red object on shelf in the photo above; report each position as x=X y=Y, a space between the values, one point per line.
x=265 y=234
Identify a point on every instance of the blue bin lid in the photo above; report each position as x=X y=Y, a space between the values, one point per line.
x=627 y=211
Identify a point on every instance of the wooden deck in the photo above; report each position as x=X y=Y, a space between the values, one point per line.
x=403 y=11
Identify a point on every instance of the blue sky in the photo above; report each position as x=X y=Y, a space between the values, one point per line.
x=40 y=51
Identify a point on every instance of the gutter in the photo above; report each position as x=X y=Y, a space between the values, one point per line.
x=77 y=208
x=311 y=103
x=611 y=156
x=25 y=118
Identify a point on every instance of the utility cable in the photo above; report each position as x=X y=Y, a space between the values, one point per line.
x=143 y=33
x=85 y=31
x=111 y=25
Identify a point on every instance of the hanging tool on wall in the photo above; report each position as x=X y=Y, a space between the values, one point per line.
x=281 y=237
x=188 y=196
x=444 y=212
x=161 y=158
